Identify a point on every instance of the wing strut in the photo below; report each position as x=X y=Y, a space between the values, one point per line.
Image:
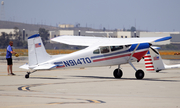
x=132 y=66
x=139 y=73
x=133 y=52
x=129 y=60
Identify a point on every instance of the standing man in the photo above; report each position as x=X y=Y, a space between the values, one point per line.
x=9 y=58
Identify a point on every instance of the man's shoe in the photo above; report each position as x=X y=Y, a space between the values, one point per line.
x=13 y=74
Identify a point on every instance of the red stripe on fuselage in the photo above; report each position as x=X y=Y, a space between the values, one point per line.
x=108 y=58
x=137 y=55
x=60 y=66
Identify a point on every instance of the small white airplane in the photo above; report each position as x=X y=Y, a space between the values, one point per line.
x=100 y=52
x=153 y=61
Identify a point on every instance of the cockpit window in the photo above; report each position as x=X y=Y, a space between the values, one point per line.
x=127 y=46
x=96 y=51
x=114 y=48
x=104 y=49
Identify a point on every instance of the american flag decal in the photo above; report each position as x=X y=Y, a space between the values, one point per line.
x=156 y=58
x=37 y=45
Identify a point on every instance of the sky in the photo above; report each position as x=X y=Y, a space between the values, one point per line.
x=151 y=15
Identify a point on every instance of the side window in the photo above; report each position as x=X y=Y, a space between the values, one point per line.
x=127 y=46
x=104 y=49
x=114 y=48
x=96 y=51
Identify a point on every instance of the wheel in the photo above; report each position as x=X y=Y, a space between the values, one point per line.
x=158 y=70
x=117 y=73
x=139 y=74
x=27 y=75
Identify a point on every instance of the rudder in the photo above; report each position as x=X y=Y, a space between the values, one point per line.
x=36 y=50
x=153 y=61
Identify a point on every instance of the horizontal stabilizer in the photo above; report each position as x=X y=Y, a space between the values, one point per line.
x=25 y=66
x=44 y=67
x=40 y=67
x=172 y=66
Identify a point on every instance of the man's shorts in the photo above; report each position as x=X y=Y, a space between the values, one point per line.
x=9 y=61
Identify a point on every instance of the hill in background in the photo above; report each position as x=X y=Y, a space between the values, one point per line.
x=32 y=27
x=35 y=27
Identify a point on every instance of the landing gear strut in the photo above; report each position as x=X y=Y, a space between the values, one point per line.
x=139 y=73
x=28 y=73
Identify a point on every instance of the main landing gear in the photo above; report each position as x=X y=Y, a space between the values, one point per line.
x=28 y=73
x=118 y=73
x=139 y=73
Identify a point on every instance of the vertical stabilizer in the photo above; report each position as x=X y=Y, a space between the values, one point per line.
x=153 y=61
x=36 y=51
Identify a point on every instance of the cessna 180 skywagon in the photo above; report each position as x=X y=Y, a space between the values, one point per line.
x=100 y=52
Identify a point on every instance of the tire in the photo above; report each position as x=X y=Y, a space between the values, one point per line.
x=27 y=76
x=158 y=70
x=117 y=74
x=139 y=74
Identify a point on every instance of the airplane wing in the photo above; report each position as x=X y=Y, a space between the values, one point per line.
x=77 y=40
x=89 y=40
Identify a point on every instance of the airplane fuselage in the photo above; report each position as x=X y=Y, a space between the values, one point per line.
x=86 y=57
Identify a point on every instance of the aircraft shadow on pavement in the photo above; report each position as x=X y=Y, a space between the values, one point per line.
x=96 y=77
x=145 y=79
x=45 y=78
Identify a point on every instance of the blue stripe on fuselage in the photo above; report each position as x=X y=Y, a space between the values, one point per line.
x=120 y=52
x=58 y=62
x=141 y=46
x=133 y=46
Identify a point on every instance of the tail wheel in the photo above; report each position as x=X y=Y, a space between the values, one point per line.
x=117 y=73
x=27 y=75
x=139 y=74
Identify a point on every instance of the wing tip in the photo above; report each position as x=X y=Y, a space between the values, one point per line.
x=163 y=39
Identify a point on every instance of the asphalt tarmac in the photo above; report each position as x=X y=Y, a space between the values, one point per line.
x=90 y=87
